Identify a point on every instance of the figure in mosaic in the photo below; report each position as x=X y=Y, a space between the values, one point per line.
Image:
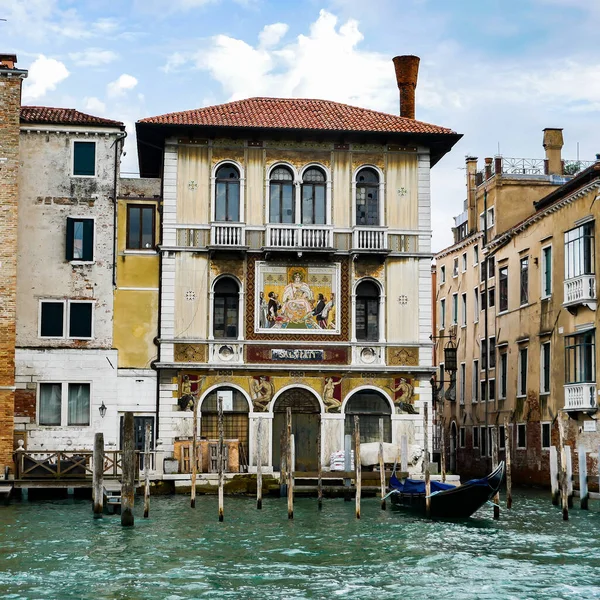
x=332 y=404
x=261 y=391
x=403 y=394
x=188 y=398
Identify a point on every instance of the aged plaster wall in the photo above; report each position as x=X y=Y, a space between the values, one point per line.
x=402 y=277
x=191 y=295
x=401 y=191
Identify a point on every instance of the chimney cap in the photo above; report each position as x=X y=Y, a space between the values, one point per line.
x=8 y=60
x=407 y=69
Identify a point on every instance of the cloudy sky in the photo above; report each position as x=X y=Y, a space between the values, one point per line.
x=498 y=71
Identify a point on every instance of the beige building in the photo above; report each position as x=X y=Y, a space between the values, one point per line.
x=523 y=256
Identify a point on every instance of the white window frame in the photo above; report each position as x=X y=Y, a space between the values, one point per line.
x=475 y=382
x=64 y=402
x=454 y=314
x=213 y=191
x=442 y=274
x=476 y=306
x=544 y=293
x=490 y=399
x=72 y=169
x=455 y=267
x=475 y=255
x=381 y=194
x=543 y=367
x=66 y=317
x=464 y=262
x=549 y=424
x=295 y=187
x=522 y=385
x=503 y=374
x=442 y=313
x=490 y=219
x=462 y=382
x=463 y=309
x=524 y=425
x=77 y=261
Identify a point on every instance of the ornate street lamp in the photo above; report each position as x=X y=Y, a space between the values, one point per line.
x=102 y=409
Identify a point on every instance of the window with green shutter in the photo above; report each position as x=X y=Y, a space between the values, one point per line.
x=84 y=159
x=80 y=239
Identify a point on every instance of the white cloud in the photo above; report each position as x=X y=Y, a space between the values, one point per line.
x=44 y=75
x=177 y=59
x=94 y=106
x=93 y=57
x=121 y=85
x=271 y=34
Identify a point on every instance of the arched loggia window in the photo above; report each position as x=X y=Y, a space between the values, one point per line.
x=370 y=406
x=313 y=197
x=367 y=312
x=281 y=196
x=226 y=309
x=227 y=203
x=367 y=197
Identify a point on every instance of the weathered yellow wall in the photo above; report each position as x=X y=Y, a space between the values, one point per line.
x=402 y=278
x=255 y=187
x=191 y=316
x=341 y=189
x=402 y=191
x=193 y=201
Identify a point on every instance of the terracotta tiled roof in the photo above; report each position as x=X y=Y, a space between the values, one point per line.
x=295 y=113
x=63 y=116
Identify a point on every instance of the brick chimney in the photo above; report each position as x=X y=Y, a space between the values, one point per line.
x=8 y=61
x=407 y=71
x=472 y=193
x=553 y=143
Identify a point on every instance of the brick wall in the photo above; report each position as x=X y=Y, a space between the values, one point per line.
x=10 y=104
x=25 y=403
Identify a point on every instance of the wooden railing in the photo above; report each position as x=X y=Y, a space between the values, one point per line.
x=59 y=464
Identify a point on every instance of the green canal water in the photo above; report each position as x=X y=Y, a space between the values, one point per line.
x=54 y=549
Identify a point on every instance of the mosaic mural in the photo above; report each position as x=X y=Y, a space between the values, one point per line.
x=297 y=298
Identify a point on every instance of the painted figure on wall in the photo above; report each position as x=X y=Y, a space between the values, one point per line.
x=261 y=391
x=300 y=297
x=188 y=392
x=403 y=396
x=332 y=394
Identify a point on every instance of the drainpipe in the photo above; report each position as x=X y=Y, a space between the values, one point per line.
x=486 y=326
x=120 y=138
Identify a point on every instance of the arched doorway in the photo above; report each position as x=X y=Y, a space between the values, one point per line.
x=306 y=420
x=453 y=439
x=370 y=406
x=235 y=420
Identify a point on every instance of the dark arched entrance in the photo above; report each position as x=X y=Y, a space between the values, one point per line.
x=306 y=420
x=370 y=406
x=453 y=440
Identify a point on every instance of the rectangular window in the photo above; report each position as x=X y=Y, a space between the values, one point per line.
x=454 y=309
x=579 y=251
x=464 y=309
x=475 y=436
x=580 y=355
x=50 y=404
x=464 y=262
x=492 y=392
x=475 y=384
x=84 y=159
x=546 y=272
x=80 y=239
x=462 y=382
x=545 y=368
x=475 y=254
x=484 y=355
x=522 y=376
x=524 y=280
x=53 y=411
x=503 y=374
x=521 y=435
x=52 y=319
x=503 y=288
x=80 y=319
x=492 y=352
x=476 y=306
x=461 y=437
x=483 y=270
x=483 y=389
x=492 y=297
x=491 y=270
x=455 y=268
x=502 y=436
x=79 y=404
x=140 y=227
x=483 y=438
x=483 y=300
x=442 y=274
x=546 y=436
x=442 y=313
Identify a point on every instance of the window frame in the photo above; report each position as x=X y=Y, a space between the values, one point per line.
x=455 y=308
x=462 y=383
x=442 y=274
x=491 y=348
x=548 y=425
x=66 y=318
x=366 y=299
x=455 y=267
x=463 y=299
x=581 y=247
x=491 y=386
x=475 y=382
x=475 y=431
x=64 y=401
x=524 y=281
x=585 y=362
x=521 y=427
x=225 y=295
x=503 y=387
x=503 y=289
x=227 y=183
x=380 y=195
x=545 y=367
x=79 y=141
x=462 y=437
x=476 y=306
x=464 y=262
x=313 y=185
x=442 y=313
x=546 y=271
x=141 y=207
x=475 y=255
x=522 y=372
x=281 y=182
x=70 y=240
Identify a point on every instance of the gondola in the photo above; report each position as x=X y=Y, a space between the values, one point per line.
x=447 y=501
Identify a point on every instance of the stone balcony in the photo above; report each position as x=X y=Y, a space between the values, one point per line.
x=227 y=235
x=297 y=237
x=370 y=239
x=580 y=290
x=580 y=396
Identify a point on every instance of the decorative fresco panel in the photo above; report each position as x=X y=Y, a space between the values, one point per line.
x=403 y=356
x=191 y=353
x=297 y=298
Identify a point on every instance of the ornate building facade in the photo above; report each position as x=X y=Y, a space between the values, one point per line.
x=294 y=272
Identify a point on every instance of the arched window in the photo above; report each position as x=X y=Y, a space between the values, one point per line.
x=227 y=201
x=235 y=421
x=367 y=312
x=313 y=197
x=367 y=197
x=281 y=196
x=370 y=406
x=226 y=309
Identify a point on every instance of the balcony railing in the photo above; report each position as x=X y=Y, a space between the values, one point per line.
x=580 y=396
x=580 y=290
x=369 y=238
x=299 y=236
x=229 y=235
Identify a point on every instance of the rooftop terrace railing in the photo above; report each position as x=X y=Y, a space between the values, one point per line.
x=505 y=165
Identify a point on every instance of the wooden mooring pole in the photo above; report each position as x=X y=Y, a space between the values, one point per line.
x=426 y=459
x=283 y=463
x=290 y=463
x=563 y=469
x=381 y=465
x=554 y=475
x=98 y=483
x=569 y=476
x=358 y=473
x=507 y=449
x=259 y=464
x=128 y=468
x=147 y=439
x=347 y=465
x=193 y=463
x=495 y=444
x=583 y=480
x=220 y=453
x=319 y=469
